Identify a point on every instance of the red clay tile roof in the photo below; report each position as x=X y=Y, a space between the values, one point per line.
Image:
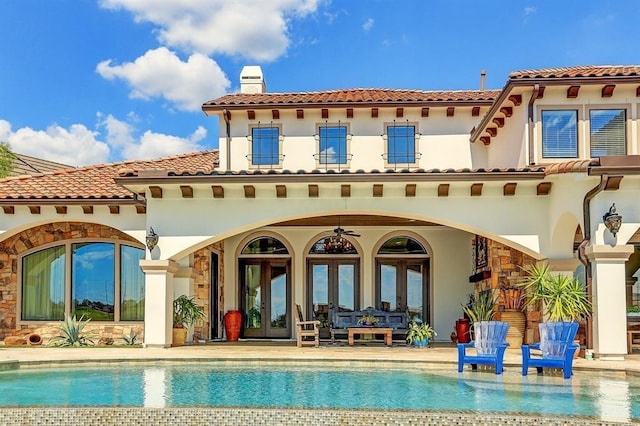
x=169 y=173
x=575 y=166
x=97 y=182
x=582 y=71
x=352 y=97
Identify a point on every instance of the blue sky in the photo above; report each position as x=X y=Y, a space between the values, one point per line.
x=92 y=81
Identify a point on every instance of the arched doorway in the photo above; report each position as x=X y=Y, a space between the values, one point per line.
x=402 y=277
x=333 y=280
x=265 y=288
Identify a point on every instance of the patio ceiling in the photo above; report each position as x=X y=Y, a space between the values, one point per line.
x=355 y=220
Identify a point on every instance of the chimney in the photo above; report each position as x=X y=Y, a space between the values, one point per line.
x=252 y=80
x=483 y=74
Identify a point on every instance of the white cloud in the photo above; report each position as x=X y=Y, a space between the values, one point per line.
x=121 y=136
x=160 y=73
x=75 y=146
x=530 y=10
x=254 y=29
x=366 y=27
x=79 y=146
x=153 y=145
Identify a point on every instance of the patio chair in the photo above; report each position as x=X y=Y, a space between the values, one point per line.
x=490 y=344
x=557 y=346
x=307 y=329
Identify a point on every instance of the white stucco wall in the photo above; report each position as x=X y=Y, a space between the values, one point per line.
x=444 y=141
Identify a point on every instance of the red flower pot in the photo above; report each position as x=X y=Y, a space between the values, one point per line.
x=462 y=330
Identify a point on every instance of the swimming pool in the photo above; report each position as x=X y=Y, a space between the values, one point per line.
x=611 y=397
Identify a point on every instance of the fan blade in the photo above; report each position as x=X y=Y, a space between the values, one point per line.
x=351 y=233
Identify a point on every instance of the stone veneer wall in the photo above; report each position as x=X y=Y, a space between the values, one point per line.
x=506 y=265
x=13 y=247
x=202 y=283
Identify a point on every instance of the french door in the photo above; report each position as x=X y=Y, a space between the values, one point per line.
x=402 y=285
x=334 y=286
x=265 y=295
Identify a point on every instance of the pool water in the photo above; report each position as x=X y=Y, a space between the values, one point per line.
x=607 y=396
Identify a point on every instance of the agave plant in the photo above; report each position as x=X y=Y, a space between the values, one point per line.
x=131 y=338
x=564 y=298
x=73 y=335
x=480 y=307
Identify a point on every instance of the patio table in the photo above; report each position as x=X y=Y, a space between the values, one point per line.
x=353 y=331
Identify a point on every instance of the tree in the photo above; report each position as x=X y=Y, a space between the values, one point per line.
x=6 y=159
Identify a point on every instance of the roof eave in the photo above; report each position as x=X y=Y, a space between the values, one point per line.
x=543 y=81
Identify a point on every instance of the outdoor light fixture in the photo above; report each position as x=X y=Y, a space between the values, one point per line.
x=612 y=220
x=152 y=239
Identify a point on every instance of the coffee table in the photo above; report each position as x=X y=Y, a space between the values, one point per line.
x=353 y=331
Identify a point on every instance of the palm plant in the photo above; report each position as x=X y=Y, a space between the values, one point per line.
x=186 y=311
x=73 y=335
x=563 y=298
x=418 y=332
x=480 y=307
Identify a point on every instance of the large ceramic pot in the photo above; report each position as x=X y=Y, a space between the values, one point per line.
x=232 y=325
x=517 y=324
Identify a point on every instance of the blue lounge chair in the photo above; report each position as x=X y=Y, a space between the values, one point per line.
x=557 y=347
x=490 y=344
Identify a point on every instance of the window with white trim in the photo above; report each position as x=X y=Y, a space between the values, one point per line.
x=608 y=134
x=401 y=143
x=265 y=146
x=333 y=145
x=560 y=133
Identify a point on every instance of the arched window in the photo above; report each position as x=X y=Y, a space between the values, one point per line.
x=402 y=245
x=265 y=245
x=96 y=274
x=402 y=277
x=333 y=245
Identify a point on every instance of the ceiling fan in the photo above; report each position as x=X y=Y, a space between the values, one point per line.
x=339 y=231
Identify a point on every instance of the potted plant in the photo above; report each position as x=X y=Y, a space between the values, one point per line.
x=185 y=314
x=419 y=334
x=563 y=298
x=368 y=320
x=513 y=302
x=479 y=308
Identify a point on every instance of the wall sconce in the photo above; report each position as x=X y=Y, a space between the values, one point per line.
x=152 y=239
x=612 y=220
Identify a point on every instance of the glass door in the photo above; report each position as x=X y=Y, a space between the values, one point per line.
x=265 y=297
x=402 y=286
x=333 y=287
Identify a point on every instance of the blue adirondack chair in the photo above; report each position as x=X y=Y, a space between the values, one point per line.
x=557 y=347
x=490 y=344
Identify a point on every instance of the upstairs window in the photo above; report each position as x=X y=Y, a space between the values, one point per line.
x=560 y=134
x=401 y=145
x=265 y=146
x=332 y=145
x=608 y=132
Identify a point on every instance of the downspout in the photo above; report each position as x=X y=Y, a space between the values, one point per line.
x=586 y=212
x=534 y=96
x=225 y=114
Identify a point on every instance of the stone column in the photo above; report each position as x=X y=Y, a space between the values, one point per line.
x=158 y=301
x=609 y=299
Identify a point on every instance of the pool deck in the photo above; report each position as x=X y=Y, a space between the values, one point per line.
x=439 y=355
